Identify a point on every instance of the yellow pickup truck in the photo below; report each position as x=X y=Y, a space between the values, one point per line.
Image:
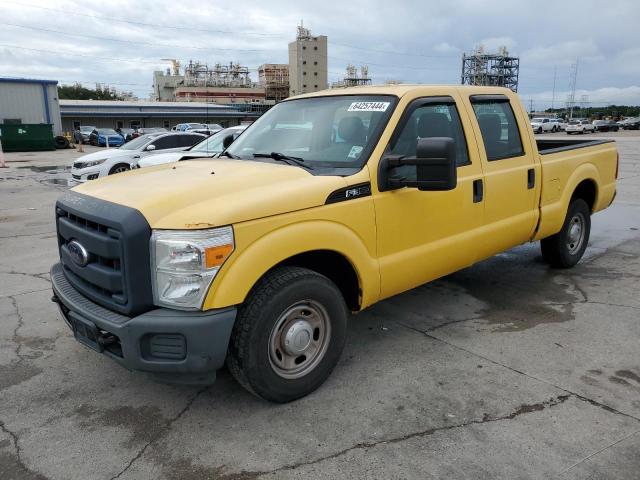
x=328 y=203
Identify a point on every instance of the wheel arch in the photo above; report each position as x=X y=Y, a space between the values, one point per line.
x=582 y=183
x=329 y=248
x=116 y=165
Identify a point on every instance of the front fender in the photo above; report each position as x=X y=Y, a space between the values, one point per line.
x=252 y=260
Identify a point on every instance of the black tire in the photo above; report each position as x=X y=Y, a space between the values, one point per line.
x=119 y=168
x=250 y=356
x=558 y=250
x=61 y=142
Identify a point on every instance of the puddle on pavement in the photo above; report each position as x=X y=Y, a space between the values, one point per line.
x=52 y=169
x=60 y=182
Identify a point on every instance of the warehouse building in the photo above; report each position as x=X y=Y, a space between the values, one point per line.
x=30 y=101
x=133 y=114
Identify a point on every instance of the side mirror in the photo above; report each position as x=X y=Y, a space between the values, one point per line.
x=435 y=167
x=150 y=148
x=227 y=141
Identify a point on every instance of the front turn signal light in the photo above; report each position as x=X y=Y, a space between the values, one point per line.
x=215 y=256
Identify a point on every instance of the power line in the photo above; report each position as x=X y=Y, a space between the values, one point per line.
x=119 y=59
x=144 y=24
x=134 y=42
x=74 y=54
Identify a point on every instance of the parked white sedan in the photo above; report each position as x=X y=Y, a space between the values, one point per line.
x=116 y=160
x=209 y=148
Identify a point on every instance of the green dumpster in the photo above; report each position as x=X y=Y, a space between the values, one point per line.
x=27 y=137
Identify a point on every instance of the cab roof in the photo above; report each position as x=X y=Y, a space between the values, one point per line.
x=400 y=90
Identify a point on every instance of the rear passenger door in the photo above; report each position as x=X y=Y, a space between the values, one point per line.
x=511 y=173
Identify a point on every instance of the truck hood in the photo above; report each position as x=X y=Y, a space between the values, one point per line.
x=205 y=194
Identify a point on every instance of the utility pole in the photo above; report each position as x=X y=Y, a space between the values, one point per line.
x=530 y=105
x=553 y=96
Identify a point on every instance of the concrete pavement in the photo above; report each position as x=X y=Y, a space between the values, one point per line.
x=507 y=369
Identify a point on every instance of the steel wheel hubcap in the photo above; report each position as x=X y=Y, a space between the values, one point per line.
x=299 y=339
x=575 y=235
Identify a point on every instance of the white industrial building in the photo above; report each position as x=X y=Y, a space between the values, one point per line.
x=28 y=101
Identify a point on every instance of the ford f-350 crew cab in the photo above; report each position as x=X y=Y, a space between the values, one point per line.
x=328 y=203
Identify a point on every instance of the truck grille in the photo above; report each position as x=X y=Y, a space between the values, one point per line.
x=104 y=251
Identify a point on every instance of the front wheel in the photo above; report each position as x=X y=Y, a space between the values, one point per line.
x=289 y=334
x=565 y=248
x=119 y=168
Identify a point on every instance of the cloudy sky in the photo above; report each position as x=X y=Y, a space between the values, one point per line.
x=121 y=42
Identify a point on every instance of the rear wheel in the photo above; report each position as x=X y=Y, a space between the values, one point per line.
x=119 y=168
x=289 y=334
x=565 y=248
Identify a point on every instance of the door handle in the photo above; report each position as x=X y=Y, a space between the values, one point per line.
x=478 y=190
x=531 y=178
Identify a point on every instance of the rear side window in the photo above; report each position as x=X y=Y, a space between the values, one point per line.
x=499 y=129
x=189 y=140
x=431 y=120
x=170 y=141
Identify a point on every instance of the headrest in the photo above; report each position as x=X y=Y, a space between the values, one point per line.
x=351 y=129
x=490 y=126
x=432 y=124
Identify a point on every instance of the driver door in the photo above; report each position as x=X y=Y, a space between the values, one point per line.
x=423 y=235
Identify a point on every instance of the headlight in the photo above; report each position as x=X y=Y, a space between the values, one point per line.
x=89 y=164
x=185 y=262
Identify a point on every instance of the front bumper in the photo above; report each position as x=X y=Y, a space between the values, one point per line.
x=85 y=174
x=172 y=345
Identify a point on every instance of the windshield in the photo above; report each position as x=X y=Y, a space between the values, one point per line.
x=213 y=144
x=537 y=120
x=137 y=143
x=87 y=129
x=333 y=132
x=107 y=131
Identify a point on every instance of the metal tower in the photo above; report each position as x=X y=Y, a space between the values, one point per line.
x=571 y=99
x=498 y=70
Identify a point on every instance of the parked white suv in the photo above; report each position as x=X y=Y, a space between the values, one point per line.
x=541 y=125
x=580 y=126
x=116 y=160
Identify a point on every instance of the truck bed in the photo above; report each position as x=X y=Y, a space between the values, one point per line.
x=553 y=145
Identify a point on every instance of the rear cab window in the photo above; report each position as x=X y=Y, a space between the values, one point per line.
x=498 y=126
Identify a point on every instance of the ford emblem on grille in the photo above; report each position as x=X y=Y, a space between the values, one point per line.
x=78 y=253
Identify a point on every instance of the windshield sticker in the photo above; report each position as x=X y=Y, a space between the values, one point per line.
x=355 y=152
x=368 y=107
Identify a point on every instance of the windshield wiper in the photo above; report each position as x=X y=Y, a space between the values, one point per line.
x=284 y=158
x=227 y=154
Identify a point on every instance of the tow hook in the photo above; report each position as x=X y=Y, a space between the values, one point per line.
x=106 y=340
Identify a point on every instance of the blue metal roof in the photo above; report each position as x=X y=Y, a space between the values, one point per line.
x=27 y=80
